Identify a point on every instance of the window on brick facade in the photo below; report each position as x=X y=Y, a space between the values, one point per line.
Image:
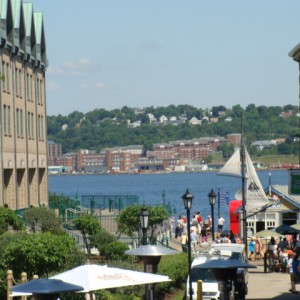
x=20 y=124
x=6 y=120
x=30 y=125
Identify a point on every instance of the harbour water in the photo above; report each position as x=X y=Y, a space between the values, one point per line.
x=150 y=187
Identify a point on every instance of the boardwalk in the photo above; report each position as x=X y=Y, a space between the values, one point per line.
x=262 y=285
x=270 y=285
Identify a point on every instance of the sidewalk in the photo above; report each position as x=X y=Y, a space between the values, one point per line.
x=262 y=285
x=270 y=285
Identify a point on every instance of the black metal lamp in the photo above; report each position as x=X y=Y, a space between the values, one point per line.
x=187 y=201
x=212 y=200
x=144 y=221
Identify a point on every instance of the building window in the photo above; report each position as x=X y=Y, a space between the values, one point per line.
x=6 y=73
x=270 y=224
x=20 y=128
x=40 y=128
x=39 y=91
x=29 y=87
x=6 y=120
x=18 y=82
x=30 y=125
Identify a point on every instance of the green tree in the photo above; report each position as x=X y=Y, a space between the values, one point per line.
x=88 y=225
x=42 y=219
x=227 y=150
x=102 y=238
x=115 y=251
x=9 y=219
x=101 y=128
x=128 y=220
x=38 y=254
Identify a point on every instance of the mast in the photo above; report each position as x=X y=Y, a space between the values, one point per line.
x=244 y=178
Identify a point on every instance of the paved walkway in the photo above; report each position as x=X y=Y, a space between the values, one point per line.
x=263 y=285
x=270 y=285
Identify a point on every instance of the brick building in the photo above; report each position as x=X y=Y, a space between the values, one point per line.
x=234 y=138
x=123 y=158
x=23 y=147
x=195 y=149
x=91 y=161
x=54 y=154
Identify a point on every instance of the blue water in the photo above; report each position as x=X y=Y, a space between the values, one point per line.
x=149 y=187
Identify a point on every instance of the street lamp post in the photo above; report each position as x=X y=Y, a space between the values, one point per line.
x=187 y=201
x=144 y=220
x=212 y=201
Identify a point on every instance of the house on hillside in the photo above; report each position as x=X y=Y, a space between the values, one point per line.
x=260 y=145
x=195 y=121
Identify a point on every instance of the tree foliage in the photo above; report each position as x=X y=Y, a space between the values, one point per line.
x=9 y=219
x=115 y=251
x=101 y=239
x=100 y=128
x=128 y=220
x=41 y=219
x=38 y=254
x=88 y=225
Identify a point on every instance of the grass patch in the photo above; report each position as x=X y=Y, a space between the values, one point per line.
x=276 y=159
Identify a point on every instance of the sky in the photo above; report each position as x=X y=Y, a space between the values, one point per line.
x=136 y=53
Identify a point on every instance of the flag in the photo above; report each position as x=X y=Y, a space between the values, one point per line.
x=224 y=198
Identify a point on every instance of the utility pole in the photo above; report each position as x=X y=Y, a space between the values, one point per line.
x=244 y=182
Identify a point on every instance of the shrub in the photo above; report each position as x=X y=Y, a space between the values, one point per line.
x=115 y=251
x=176 y=267
x=101 y=239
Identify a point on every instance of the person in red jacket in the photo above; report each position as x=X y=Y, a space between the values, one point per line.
x=199 y=218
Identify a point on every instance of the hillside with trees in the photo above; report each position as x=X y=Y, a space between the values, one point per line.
x=101 y=128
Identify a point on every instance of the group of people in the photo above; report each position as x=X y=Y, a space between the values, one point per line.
x=200 y=231
x=255 y=249
x=284 y=257
x=202 y=226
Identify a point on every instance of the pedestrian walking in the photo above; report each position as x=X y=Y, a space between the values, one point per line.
x=258 y=248
x=293 y=265
x=194 y=241
x=221 y=222
x=252 y=249
x=179 y=227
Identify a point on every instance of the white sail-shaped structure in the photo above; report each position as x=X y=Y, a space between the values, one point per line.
x=233 y=166
x=256 y=199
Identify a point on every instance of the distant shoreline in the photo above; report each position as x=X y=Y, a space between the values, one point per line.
x=154 y=173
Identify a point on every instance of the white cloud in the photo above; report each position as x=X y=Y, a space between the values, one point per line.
x=84 y=61
x=53 y=86
x=54 y=70
x=79 y=64
x=101 y=85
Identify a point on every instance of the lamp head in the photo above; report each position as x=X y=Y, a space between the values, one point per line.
x=144 y=218
x=212 y=197
x=187 y=199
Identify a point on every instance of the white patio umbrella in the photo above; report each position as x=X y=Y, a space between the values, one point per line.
x=96 y=277
x=268 y=234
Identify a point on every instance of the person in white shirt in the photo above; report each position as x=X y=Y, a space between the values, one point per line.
x=221 y=222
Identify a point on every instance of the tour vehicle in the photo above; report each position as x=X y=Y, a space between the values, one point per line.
x=210 y=290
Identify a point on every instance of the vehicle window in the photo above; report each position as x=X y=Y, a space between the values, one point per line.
x=236 y=255
x=206 y=275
